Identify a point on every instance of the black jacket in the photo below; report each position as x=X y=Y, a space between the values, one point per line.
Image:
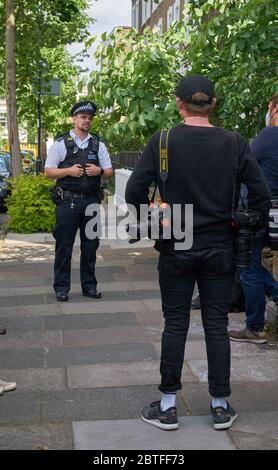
x=201 y=168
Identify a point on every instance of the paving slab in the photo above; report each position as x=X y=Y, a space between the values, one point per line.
x=35 y=379
x=153 y=319
x=100 y=354
x=97 y=404
x=22 y=324
x=36 y=437
x=119 y=375
x=194 y=433
x=22 y=340
x=97 y=320
x=249 y=441
x=256 y=431
x=62 y=357
x=99 y=306
x=245 y=397
x=19 y=300
x=256 y=369
x=196 y=349
x=111 y=335
x=8 y=312
x=42 y=310
x=18 y=407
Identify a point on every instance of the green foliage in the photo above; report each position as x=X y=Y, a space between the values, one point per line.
x=29 y=206
x=136 y=84
x=43 y=29
x=235 y=43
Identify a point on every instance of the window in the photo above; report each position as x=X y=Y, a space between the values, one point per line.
x=146 y=10
x=176 y=10
x=135 y=15
x=170 y=16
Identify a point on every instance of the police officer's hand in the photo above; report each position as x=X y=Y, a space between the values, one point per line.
x=92 y=170
x=76 y=171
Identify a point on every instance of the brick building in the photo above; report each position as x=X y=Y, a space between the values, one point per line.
x=161 y=15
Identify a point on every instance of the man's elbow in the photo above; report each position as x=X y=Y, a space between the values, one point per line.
x=109 y=173
x=46 y=172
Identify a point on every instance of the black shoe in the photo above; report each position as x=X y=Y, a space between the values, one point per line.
x=223 y=418
x=62 y=296
x=93 y=294
x=3 y=331
x=166 y=420
x=195 y=303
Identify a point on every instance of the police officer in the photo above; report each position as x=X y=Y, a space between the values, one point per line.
x=201 y=163
x=77 y=160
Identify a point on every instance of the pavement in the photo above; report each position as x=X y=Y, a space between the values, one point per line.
x=85 y=369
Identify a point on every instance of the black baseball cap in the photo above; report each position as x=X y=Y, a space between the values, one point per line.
x=192 y=84
x=84 y=107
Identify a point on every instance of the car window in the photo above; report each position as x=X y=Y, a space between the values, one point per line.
x=3 y=164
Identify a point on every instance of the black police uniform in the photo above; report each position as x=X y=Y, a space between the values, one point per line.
x=77 y=194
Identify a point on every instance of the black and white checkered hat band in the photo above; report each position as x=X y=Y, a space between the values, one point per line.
x=88 y=108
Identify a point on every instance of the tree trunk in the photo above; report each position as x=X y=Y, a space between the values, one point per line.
x=11 y=90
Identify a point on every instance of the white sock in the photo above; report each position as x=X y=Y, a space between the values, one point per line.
x=167 y=401
x=216 y=402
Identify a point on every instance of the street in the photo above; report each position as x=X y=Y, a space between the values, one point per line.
x=84 y=369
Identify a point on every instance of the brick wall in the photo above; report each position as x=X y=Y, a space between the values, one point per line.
x=160 y=12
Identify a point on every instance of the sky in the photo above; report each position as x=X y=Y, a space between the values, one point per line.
x=108 y=14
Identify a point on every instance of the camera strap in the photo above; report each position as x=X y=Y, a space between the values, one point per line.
x=163 y=160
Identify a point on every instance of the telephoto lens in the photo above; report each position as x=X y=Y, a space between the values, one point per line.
x=273 y=225
x=242 y=248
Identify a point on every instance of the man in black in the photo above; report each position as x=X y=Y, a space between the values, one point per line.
x=77 y=160
x=201 y=172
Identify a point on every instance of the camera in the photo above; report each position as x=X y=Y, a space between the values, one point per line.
x=244 y=225
x=273 y=225
x=155 y=228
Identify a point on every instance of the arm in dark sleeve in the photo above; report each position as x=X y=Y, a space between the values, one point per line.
x=258 y=145
x=143 y=175
x=251 y=175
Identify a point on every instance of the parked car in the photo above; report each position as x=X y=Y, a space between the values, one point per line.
x=3 y=153
x=5 y=173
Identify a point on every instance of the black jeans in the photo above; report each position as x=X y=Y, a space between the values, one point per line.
x=213 y=270
x=68 y=221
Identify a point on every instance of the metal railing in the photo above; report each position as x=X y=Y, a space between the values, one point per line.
x=126 y=160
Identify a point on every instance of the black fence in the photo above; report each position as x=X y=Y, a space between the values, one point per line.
x=126 y=160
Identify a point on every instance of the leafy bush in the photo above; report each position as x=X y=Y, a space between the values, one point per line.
x=29 y=206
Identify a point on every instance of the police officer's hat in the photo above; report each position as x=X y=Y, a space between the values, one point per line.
x=87 y=107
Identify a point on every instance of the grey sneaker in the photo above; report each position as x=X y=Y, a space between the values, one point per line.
x=248 y=336
x=223 y=418
x=1 y=390
x=166 y=420
x=7 y=386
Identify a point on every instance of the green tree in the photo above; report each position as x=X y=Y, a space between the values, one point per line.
x=135 y=85
x=238 y=49
x=232 y=42
x=41 y=27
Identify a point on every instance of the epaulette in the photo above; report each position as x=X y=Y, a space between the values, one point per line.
x=61 y=137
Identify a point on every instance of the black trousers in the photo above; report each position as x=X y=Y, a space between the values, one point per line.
x=213 y=270
x=68 y=221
